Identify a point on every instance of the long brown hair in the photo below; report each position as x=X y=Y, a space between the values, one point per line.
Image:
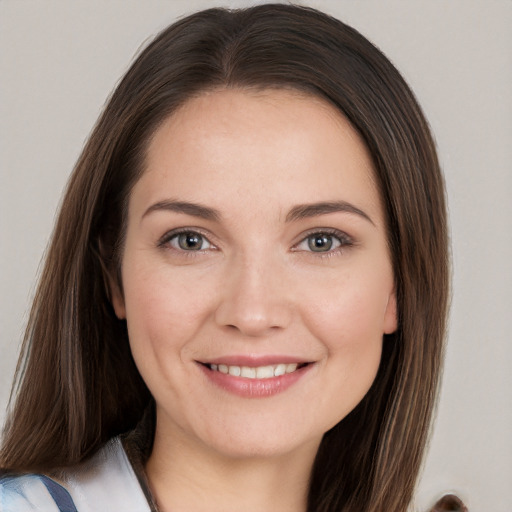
x=77 y=383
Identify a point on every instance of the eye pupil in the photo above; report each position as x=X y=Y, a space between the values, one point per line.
x=190 y=241
x=320 y=242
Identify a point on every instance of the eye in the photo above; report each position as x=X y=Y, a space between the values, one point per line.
x=187 y=241
x=323 y=242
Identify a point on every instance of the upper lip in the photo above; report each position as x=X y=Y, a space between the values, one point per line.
x=254 y=361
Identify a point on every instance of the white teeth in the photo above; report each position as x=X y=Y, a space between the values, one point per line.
x=264 y=372
x=235 y=371
x=249 y=373
x=260 y=372
x=280 y=370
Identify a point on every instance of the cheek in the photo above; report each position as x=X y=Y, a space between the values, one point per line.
x=352 y=336
x=353 y=312
x=350 y=324
x=163 y=309
x=163 y=313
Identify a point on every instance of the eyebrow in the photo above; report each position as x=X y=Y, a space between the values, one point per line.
x=303 y=211
x=194 y=209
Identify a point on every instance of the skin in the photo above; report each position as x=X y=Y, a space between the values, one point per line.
x=255 y=288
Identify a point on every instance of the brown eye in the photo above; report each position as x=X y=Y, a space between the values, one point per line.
x=189 y=241
x=324 y=242
x=321 y=242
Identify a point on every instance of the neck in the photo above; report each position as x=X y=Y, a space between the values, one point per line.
x=185 y=476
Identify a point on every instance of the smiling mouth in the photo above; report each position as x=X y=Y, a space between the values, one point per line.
x=258 y=372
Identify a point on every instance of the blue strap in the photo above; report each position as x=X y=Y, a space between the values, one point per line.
x=61 y=497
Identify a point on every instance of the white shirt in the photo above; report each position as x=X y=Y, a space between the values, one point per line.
x=104 y=483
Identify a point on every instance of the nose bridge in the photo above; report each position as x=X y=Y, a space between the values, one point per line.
x=254 y=299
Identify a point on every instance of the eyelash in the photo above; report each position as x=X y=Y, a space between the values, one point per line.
x=344 y=242
x=164 y=242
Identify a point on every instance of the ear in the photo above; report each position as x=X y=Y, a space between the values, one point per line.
x=112 y=284
x=117 y=299
x=391 y=314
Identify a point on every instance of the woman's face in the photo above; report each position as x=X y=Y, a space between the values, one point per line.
x=257 y=282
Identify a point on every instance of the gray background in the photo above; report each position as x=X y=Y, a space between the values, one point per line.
x=60 y=59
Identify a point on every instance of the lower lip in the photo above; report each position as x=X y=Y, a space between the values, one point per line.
x=254 y=388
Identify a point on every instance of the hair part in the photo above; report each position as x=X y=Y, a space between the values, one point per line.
x=78 y=384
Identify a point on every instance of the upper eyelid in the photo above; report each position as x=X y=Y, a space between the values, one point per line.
x=178 y=231
x=346 y=242
x=341 y=235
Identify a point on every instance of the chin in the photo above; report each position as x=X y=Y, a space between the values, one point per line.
x=258 y=439
x=238 y=448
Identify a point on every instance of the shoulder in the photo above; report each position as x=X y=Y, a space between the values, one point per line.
x=107 y=481
x=104 y=482
x=32 y=493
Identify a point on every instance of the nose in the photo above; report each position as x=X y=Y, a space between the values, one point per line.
x=255 y=299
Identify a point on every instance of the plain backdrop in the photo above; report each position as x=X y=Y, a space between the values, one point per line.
x=59 y=60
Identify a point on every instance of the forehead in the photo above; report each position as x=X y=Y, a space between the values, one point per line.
x=261 y=144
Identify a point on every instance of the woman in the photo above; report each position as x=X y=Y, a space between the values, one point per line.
x=243 y=305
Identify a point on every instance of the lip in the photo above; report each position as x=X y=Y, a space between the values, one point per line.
x=255 y=360
x=254 y=388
